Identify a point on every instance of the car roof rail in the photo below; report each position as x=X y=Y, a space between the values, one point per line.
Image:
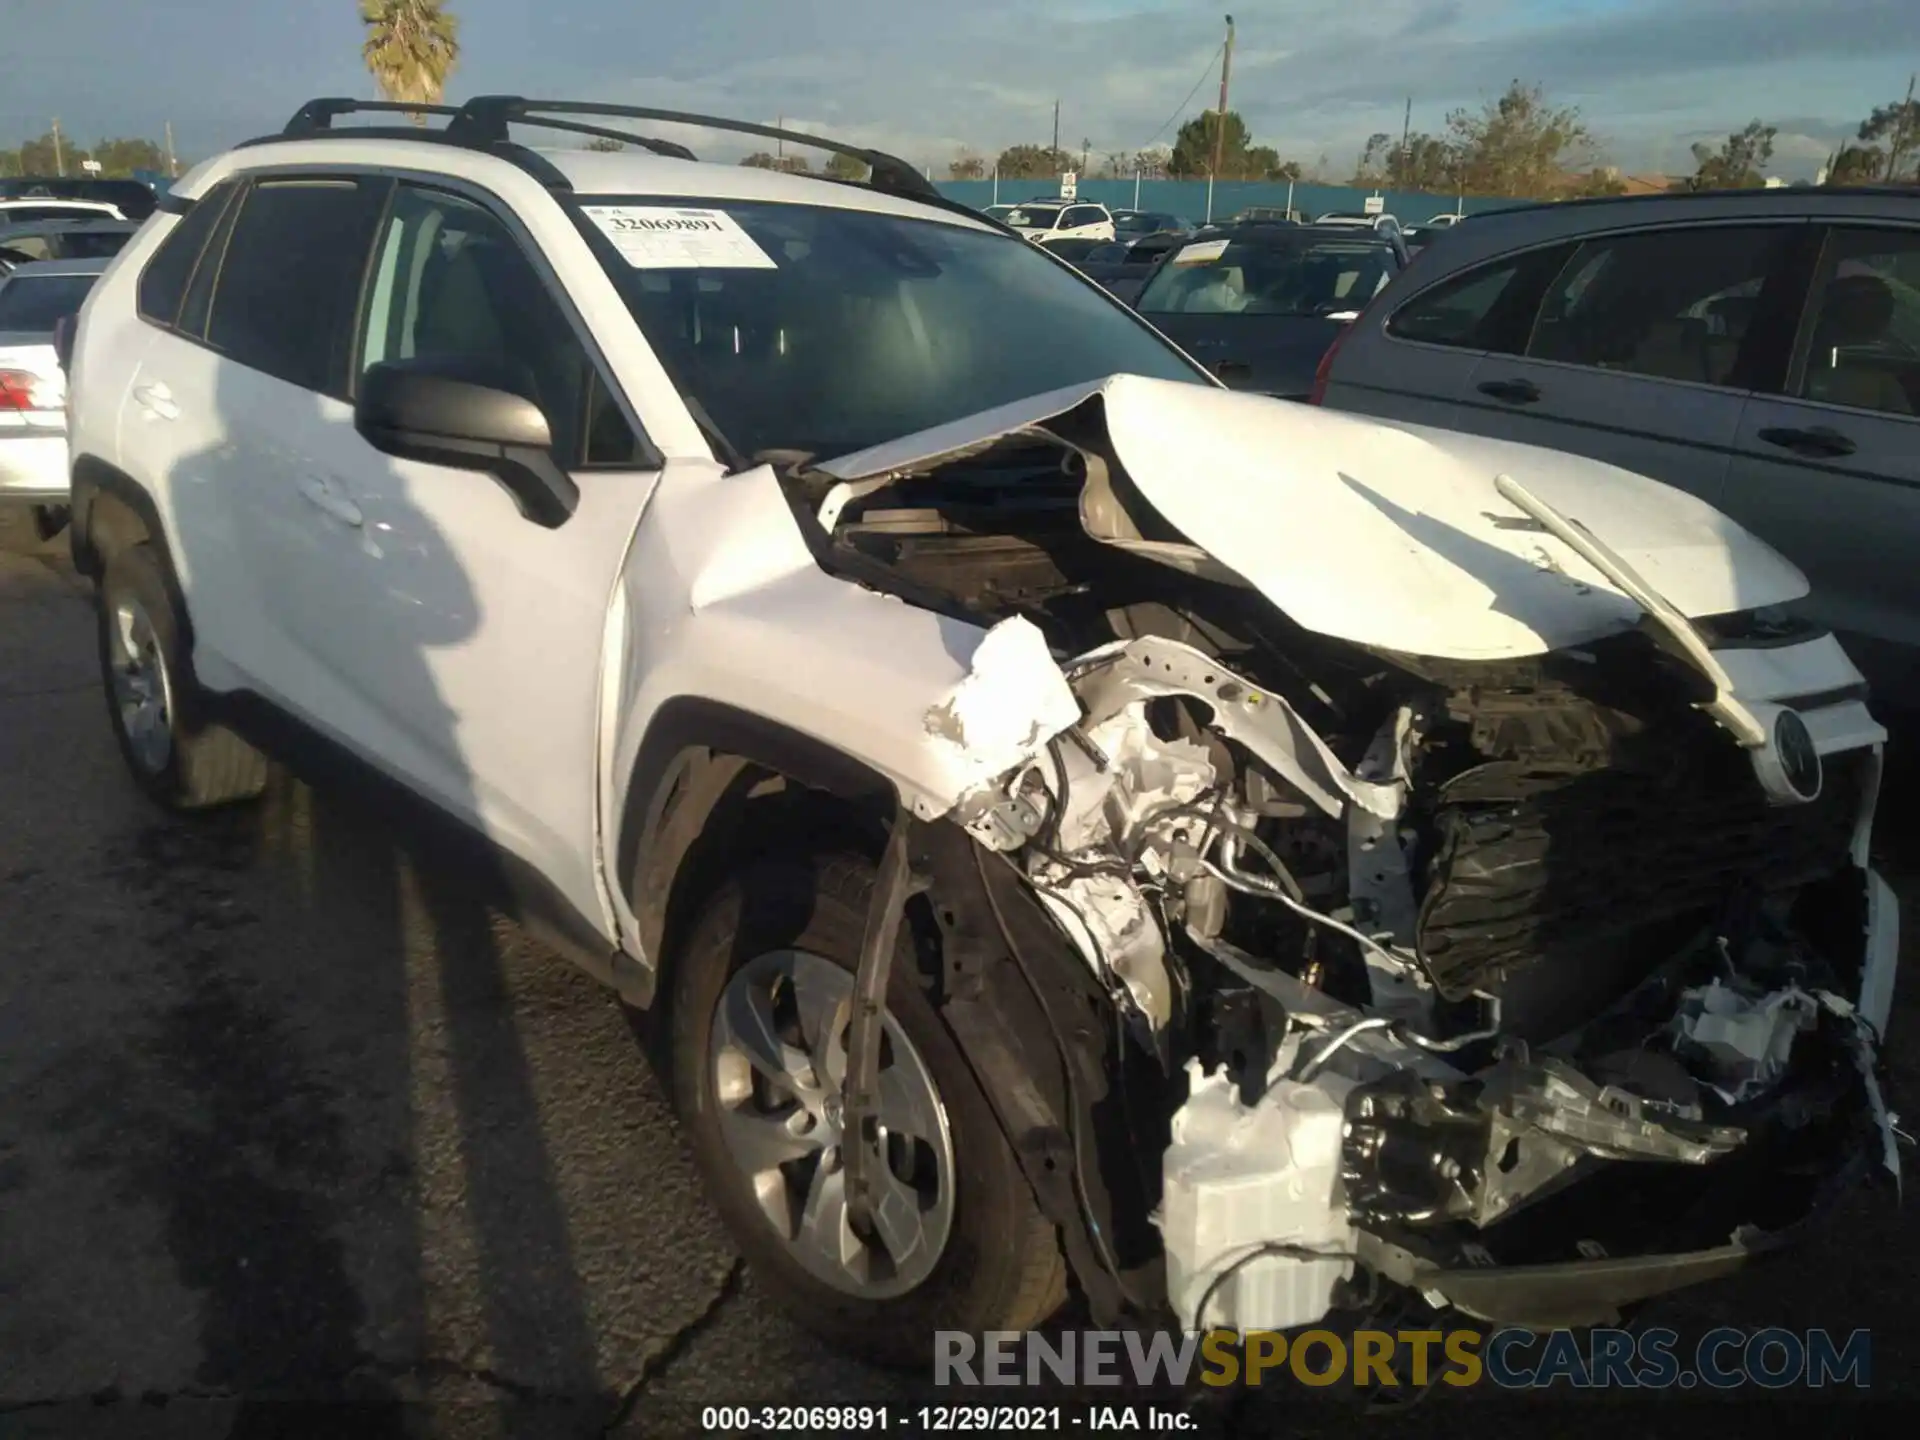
x=314 y=121
x=487 y=116
x=481 y=124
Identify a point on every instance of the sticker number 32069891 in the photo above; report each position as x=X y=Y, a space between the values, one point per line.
x=659 y=238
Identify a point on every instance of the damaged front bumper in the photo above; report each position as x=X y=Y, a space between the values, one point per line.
x=1410 y=1135
x=1529 y=1194
x=1491 y=899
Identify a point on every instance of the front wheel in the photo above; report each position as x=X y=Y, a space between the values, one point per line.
x=181 y=762
x=762 y=990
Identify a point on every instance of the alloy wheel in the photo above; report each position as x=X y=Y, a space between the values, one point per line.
x=778 y=1061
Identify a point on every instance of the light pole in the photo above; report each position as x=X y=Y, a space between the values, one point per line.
x=1220 y=117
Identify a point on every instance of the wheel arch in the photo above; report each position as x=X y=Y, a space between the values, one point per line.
x=110 y=511
x=703 y=768
x=714 y=786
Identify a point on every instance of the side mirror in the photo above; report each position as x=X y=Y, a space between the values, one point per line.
x=445 y=411
x=63 y=330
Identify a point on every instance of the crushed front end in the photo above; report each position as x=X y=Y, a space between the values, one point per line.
x=1508 y=982
x=1537 y=978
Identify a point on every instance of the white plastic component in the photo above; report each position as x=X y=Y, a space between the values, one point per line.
x=1012 y=701
x=1743 y=1041
x=1240 y=1177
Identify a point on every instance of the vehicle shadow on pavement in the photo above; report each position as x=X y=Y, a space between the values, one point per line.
x=298 y=1120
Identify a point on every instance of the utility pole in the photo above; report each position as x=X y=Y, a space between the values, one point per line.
x=780 y=146
x=1086 y=150
x=173 y=165
x=59 y=152
x=1056 y=131
x=1406 y=133
x=1220 y=115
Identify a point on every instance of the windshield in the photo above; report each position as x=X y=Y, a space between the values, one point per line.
x=1032 y=217
x=1267 y=276
x=1140 y=223
x=826 y=330
x=40 y=302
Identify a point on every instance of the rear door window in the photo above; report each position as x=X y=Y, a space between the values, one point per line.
x=1675 y=304
x=289 y=282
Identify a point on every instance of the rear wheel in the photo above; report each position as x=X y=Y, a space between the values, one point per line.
x=762 y=985
x=180 y=760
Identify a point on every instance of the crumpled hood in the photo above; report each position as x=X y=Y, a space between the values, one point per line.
x=1388 y=535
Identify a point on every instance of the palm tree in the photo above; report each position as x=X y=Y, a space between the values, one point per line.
x=412 y=46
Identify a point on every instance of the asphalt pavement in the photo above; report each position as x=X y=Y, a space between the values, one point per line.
x=286 y=1116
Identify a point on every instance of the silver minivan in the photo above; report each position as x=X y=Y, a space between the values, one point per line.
x=1760 y=349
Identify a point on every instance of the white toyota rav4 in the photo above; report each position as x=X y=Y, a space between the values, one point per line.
x=1070 y=821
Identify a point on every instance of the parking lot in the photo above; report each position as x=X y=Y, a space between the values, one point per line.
x=290 y=1117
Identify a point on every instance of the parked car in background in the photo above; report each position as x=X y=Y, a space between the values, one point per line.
x=132 y=198
x=27 y=212
x=1259 y=304
x=1047 y=221
x=1760 y=349
x=1123 y=266
x=1444 y=221
x=1270 y=215
x=1418 y=237
x=1133 y=224
x=34 y=299
x=62 y=240
x=1076 y=250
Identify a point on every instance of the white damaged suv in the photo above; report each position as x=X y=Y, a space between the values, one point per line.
x=1072 y=823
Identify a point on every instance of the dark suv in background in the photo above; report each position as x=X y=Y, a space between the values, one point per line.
x=1760 y=349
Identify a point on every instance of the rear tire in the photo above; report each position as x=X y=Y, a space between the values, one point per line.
x=997 y=1264
x=182 y=761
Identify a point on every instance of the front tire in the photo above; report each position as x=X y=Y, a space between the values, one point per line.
x=181 y=761
x=758 y=1017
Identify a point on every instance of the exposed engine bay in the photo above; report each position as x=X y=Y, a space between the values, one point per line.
x=1451 y=965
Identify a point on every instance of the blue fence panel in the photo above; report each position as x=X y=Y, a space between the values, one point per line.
x=1188 y=198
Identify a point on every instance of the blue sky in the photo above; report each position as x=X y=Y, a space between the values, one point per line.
x=925 y=77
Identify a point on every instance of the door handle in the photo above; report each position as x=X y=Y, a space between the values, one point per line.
x=1514 y=392
x=1820 y=440
x=156 y=399
x=322 y=495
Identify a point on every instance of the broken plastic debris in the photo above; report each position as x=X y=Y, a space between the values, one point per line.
x=1741 y=1041
x=1013 y=700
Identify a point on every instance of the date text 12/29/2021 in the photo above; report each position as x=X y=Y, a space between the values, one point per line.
x=939 y=1419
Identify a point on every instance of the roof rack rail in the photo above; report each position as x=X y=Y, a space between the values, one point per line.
x=320 y=114
x=486 y=117
x=481 y=124
x=314 y=121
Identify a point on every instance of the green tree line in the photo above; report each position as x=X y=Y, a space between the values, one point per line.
x=1519 y=144
x=118 y=158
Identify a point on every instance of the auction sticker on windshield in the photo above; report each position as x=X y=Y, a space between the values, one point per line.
x=1200 y=252
x=656 y=238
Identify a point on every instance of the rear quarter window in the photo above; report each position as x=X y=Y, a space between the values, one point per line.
x=1489 y=307
x=163 y=284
